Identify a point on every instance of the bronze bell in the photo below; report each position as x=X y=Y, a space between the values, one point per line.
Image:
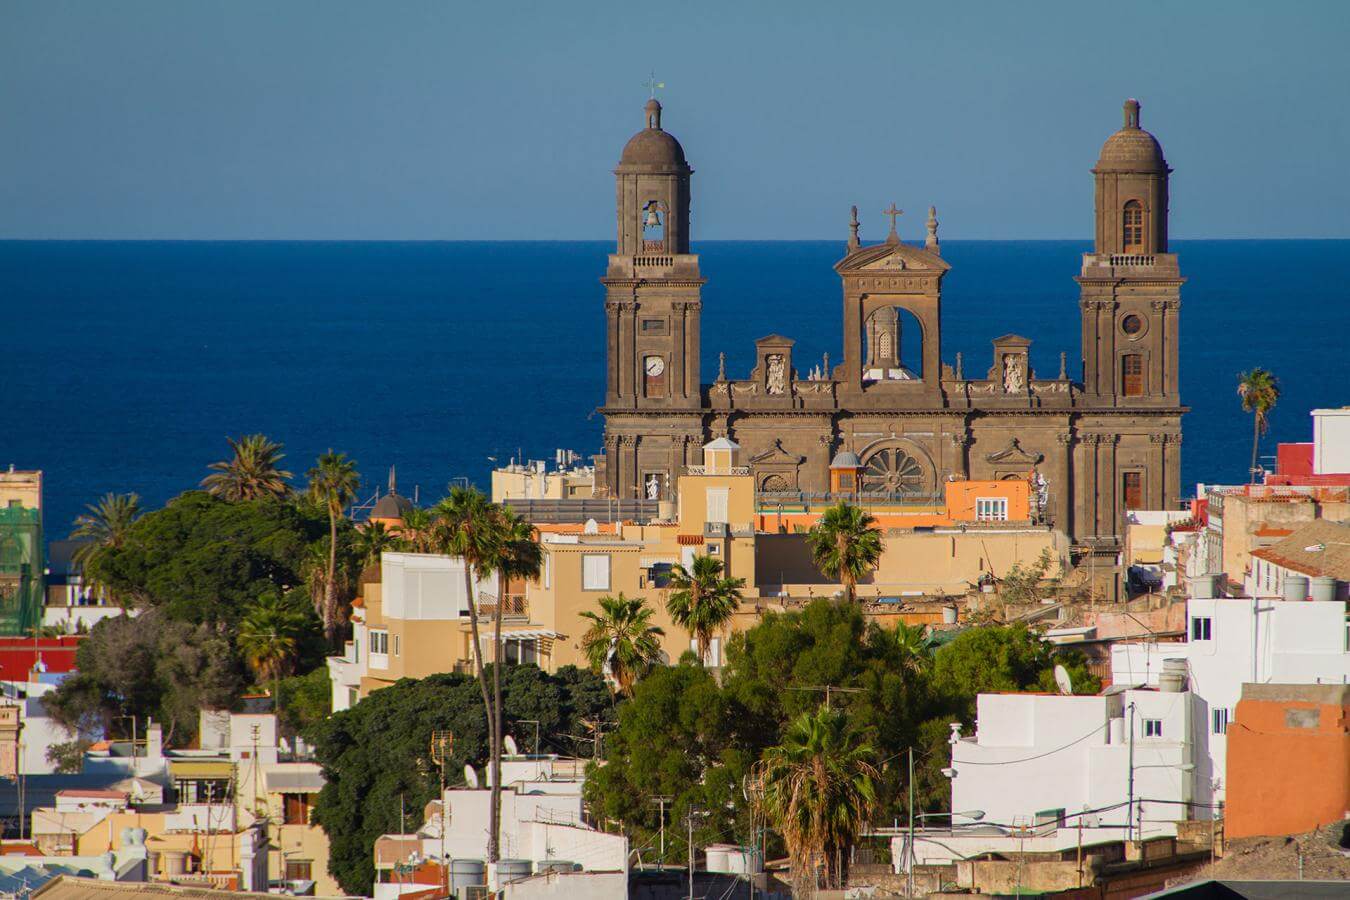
x=653 y=218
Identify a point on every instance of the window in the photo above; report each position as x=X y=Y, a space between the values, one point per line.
x=595 y=572
x=717 y=506
x=295 y=809
x=1153 y=728
x=1132 y=375
x=1131 y=324
x=653 y=326
x=991 y=509
x=202 y=790
x=396 y=645
x=379 y=643
x=1201 y=628
x=299 y=870
x=1134 y=227
x=712 y=549
x=1220 y=717
x=1132 y=490
x=521 y=650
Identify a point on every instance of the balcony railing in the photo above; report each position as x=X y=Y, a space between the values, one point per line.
x=1133 y=259
x=513 y=606
x=717 y=470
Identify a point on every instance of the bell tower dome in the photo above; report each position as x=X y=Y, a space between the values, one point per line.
x=1131 y=196
x=653 y=184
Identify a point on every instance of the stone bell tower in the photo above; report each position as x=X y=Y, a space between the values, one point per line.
x=1130 y=284
x=652 y=309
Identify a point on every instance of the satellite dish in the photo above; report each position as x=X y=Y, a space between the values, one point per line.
x=470 y=776
x=591 y=527
x=510 y=743
x=1063 y=680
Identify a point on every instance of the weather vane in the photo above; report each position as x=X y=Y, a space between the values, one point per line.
x=651 y=84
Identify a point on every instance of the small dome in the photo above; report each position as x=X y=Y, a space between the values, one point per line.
x=846 y=459
x=391 y=506
x=1132 y=149
x=651 y=146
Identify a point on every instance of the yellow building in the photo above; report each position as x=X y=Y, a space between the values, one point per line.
x=533 y=480
x=415 y=621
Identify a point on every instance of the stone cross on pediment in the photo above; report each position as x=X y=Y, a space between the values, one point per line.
x=894 y=212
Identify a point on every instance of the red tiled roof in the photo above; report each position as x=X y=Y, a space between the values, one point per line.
x=689 y=539
x=1271 y=531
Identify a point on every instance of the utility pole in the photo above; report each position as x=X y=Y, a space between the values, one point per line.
x=829 y=689
x=1129 y=809
x=909 y=863
x=690 y=820
x=663 y=801
x=442 y=746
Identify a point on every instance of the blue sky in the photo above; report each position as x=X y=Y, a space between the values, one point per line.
x=430 y=119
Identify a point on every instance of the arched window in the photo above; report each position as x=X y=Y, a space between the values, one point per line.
x=1132 y=375
x=1134 y=227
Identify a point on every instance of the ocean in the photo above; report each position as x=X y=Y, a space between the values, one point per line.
x=124 y=366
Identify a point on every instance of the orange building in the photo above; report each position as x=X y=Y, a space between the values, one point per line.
x=1288 y=759
x=961 y=502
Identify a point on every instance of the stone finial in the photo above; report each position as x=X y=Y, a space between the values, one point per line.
x=853 y=242
x=931 y=242
x=1131 y=113
x=959 y=374
x=1063 y=366
x=828 y=376
x=722 y=366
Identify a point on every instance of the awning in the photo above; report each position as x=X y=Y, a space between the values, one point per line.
x=201 y=768
x=529 y=633
x=298 y=780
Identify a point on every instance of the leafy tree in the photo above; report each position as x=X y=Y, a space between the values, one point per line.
x=372 y=540
x=303 y=701
x=845 y=545
x=149 y=666
x=818 y=788
x=68 y=756
x=678 y=737
x=333 y=483
x=1259 y=391
x=202 y=559
x=1001 y=658
x=253 y=472
x=105 y=526
x=1021 y=584
x=377 y=752
x=622 y=642
x=702 y=600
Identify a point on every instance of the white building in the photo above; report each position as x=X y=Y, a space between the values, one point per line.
x=542 y=825
x=1040 y=766
x=1331 y=441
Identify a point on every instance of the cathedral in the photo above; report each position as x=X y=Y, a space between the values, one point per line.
x=1094 y=447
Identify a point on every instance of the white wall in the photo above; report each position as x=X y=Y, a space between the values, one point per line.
x=426 y=586
x=1331 y=441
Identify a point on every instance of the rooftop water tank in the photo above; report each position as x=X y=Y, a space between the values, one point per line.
x=1295 y=587
x=1173 y=677
x=465 y=873
x=509 y=870
x=1323 y=588
x=717 y=856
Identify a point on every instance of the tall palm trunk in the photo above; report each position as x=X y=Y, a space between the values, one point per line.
x=488 y=707
x=845 y=573
x=496 y=722
x=330 y=589
x=1256 y=441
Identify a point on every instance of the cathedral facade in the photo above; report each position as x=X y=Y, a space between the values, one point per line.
x=1094 y=447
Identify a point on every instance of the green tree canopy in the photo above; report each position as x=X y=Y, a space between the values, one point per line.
x=379 y=750
x=202 y=559
x=846 y=545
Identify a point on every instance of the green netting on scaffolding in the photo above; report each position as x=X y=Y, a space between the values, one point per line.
x=21 y=571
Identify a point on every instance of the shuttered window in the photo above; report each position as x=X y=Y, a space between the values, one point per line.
x=1134 y=227
x=1134 y=490
x=595 y=572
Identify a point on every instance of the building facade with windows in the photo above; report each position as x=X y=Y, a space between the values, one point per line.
x=1103 y=438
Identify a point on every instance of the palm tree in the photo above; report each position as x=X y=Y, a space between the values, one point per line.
x=105 y=525
x=333 y=483
x=702 y=599
x=417 y=530
x=269 y=637
x=622 y=642
x=467 y=525
x=518 y=556
x=1260 y=391
x=818 y=788
x=914 y=645
x=845 y=545
x=372 y=541
x=252 y=473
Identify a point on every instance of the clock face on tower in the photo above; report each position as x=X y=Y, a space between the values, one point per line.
x=655 y=365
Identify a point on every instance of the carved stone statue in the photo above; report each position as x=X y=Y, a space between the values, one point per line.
x=1014 y=376
x=777 y=378
x=653 y=487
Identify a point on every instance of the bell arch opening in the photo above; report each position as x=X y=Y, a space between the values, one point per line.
x=892 y=345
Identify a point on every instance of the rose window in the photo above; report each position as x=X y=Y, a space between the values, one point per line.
x=892 y=471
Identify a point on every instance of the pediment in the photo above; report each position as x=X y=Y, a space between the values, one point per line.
x=892 y=257
x=776 y=455
x=1012 y=340
x=1014 y=453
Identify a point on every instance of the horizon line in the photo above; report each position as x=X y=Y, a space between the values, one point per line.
x=285 y=240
